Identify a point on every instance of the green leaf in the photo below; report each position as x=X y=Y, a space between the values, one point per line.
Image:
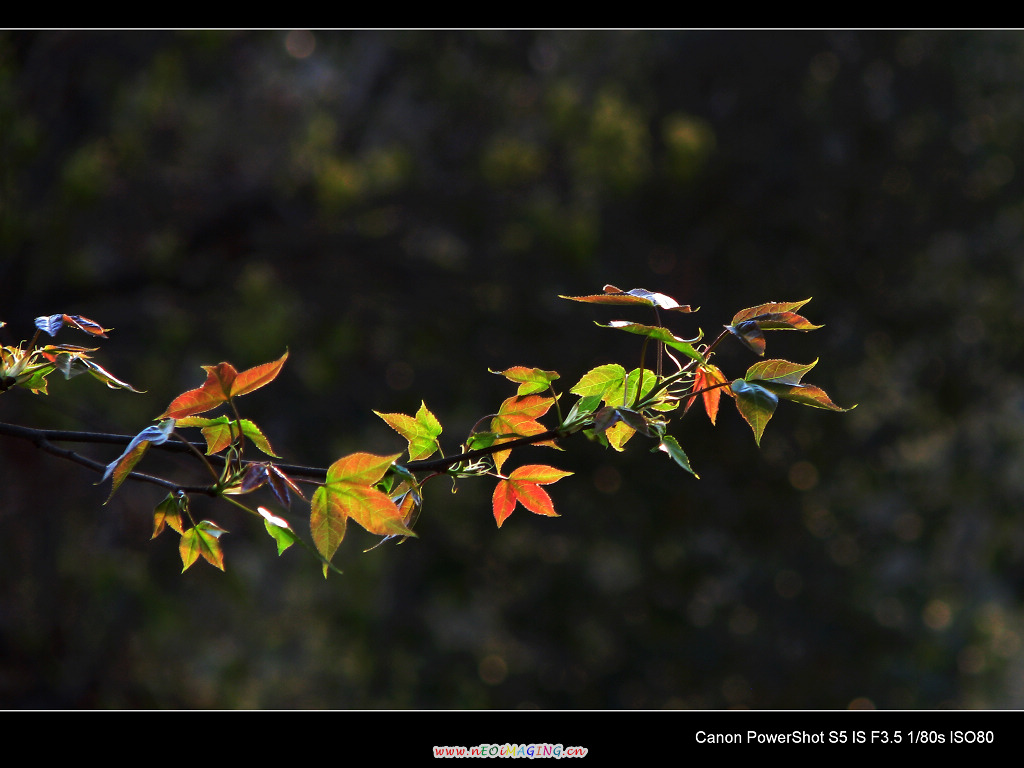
x=202 y=540
x=168 y=512
x=605 y=381
x=661 y=334
x=777 y=371
x=279 y=529
x=220 y=432
x=349 y=493
x=479 y=440
x=582 y=409
x=421 y=431
x=649 y=380
x=530 y=380
x=756 y=404
x=671 y=446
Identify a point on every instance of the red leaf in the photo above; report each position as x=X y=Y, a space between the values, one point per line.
x=523 y=487
x=202 y=399
x=254 y=378
x=222 y=383
x=776 y=315
x=708 y=376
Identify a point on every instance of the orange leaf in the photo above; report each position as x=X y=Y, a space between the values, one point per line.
x=204 y=398
x=707 y=376
x=517 y=417
x=523 y=486
x=222 y=383
x=349 y=493
x=254 y=378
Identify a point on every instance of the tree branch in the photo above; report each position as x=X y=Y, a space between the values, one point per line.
x=42 y=438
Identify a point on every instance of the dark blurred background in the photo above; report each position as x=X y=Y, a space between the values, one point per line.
x=400 y=210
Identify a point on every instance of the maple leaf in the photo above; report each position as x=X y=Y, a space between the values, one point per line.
x=222 y=431
x=421 y=431
x=616 y=389
x=517 y=417
x=202 y=540
x=168 y=512
x=349 y=493
x=523 y=486
x=530 y=380
x=223 y=382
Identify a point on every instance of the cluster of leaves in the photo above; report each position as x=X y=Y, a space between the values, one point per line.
x=28 y=365
x=384 y=494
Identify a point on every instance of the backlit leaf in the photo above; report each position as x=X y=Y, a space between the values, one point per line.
x=107 y=378
x=122 y=466
x=751 y=336
x=349 y=493
x=582 y=409
x=522 y=486
x=421 y=431
x=806 y=394
x=479 y=440
x=671 y=446
x=517 y=417
x=776 y=312
x=278 y=528
x=530 y=380
x=649 y=380
x=756 y=404
x=202 y=540
x=202 y=399
x=777 y=371
x=708 y=376
x=658 y=333
x=53 y=323
x=639 y=296
x=605 y=381
x=221 y=431
x=259 y=376
x=222 y=383
x=168 y=512
x=747 y=324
